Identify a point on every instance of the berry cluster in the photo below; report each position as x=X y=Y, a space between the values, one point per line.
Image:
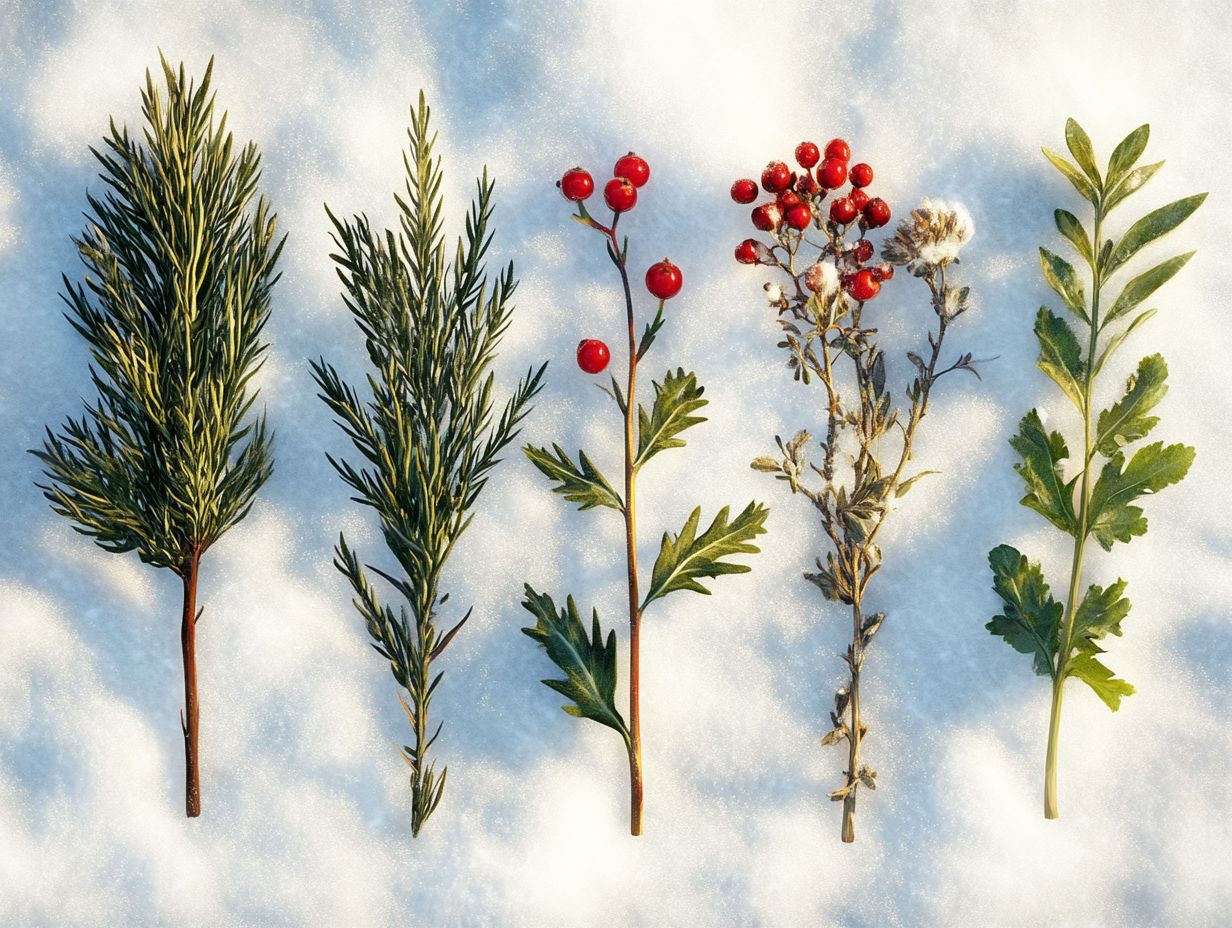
x=797 y=206
x=663 y=279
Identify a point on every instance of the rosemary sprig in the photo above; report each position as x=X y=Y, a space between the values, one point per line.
x=429 y=435
x=179 y=269
x=1098 y=500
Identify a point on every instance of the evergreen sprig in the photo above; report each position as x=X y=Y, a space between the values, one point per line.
x=429 y=434
x=685 y=558
x=1083 y=497
x=179 y=269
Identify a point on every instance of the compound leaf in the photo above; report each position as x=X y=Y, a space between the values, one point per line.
x=583 y=484
x=676 y=399
x=1151 y=469
x=688 y=557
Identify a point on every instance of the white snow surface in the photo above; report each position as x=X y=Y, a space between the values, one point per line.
x=305 y=800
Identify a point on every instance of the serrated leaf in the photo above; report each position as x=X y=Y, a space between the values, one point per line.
x=1060 y=357
x=1099 y=678
x=1150 y=470
x=1152 y=226
x=1031 y=617
x=1040 y=469
x=1098 y=615
x=583 y=484
x=1132 y=183
x=1115 y=341
x=687 y=558
x=1079 y=145
x=676 y=399
x=1069 y=226
x=1127 y=153
x=1128 y=420
x=1062 y=277
x=589 y=663
x=1073 y=175
x=1142 y=286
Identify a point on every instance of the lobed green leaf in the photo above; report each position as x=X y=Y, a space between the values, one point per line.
x=1031 y=618
x=688 y=557
x=580 y=483
x=1112 y=517
x=675 y=401
x=1060 y=356
x=1109 y=688
x=1040 y=469
x=1128 y=419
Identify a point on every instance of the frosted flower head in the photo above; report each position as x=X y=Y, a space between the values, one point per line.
x=931 y=236
x=822 y=278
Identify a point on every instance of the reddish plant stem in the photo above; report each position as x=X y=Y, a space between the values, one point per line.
x=190 y=718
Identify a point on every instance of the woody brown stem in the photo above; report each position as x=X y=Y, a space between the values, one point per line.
x=190 y=721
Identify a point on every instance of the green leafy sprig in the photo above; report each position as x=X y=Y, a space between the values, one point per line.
x=685 y=558
x=1095 y=495
x=429 y=434
x=179 y=268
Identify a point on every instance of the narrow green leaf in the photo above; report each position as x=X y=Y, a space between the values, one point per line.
x=1142 y=286
x=1060 y=356
x=676 y=399
x=1099 y=678
x=1152 y=226
x=1031 y=617
x=589 y=663
x=1115 y=341
x=1127 y=153
x=688 y=557
x=583 y=485
x=1064 y=280
x=1130 y=184
x=1152 y=468
x=1129 y=419
x=1073 y=175
x=1069 y=226
x=1079 y=145
x=1040 y=469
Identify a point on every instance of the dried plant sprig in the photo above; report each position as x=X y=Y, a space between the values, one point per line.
x=179 y=269
x=1095 y=500
x=823 y=313
x=686 y=558
x=429 y=435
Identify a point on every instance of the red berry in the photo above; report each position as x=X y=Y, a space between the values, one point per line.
x=837 y=148
x=632 y=168
x=876 y=212
x=620 y=194
x=786 y=200
x=592 y=355
x=861 y=175
x=576 y=185
x=746 y=252
x=883 y=271
x=864 y=285
x=807 y=154
x=799 y=216
x=664 y=280
x=807 y=186
x=744 y=190
x=776 y=177
x=767 y=217
x=832 y=173
x=863 y=250
x=843 y=211
x=859 y=198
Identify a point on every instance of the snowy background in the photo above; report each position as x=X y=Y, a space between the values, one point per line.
x=305 y=801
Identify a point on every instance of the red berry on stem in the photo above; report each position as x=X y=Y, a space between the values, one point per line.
x=632 y=168
x=799 y=216
x=746 y=252
x=807 y=154
x=863 y=250
x=592 y=355
x=767 y=217
x=832 y=173
x=620 y=194
x=787 y=199
x=576 y=185
x=776 y=177
x=859 y=198
x=837 y=148
x=664 y=279
x=807 y=185
x=883 y=271
x=876 y=212
x=864 y=285
x=861 y=175
x=843 y=211
x=744 y=190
